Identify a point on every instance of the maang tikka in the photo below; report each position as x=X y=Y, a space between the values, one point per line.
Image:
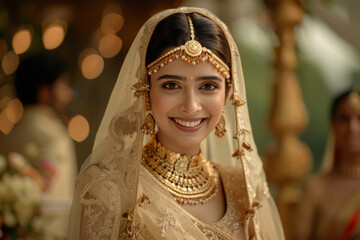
x=192 y=53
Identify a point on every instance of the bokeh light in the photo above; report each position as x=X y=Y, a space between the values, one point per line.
x=53 y=35
x=79 y=128
x=10 y=62
x=5 y=124
x=112 y=23
x=21 y=41
x=14 y=110
x=4 y=102
x=92 y=64
x=110 y=45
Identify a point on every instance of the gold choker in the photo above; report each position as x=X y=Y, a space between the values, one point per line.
x=348 y=170
x=192 y=53
x=191 y=180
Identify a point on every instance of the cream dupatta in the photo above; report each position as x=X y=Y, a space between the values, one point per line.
x=116 y=197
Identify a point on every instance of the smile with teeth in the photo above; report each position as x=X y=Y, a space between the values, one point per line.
x=187 y=123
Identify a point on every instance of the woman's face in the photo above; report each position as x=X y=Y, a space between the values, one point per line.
x=346 y=127
x=186 y=102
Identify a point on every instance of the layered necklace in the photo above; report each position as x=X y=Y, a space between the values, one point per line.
x=350 y=170
x=191 y=180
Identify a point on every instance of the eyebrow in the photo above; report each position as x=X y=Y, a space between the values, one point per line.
x=209 y=78
x=177 y=77
x=168 y=76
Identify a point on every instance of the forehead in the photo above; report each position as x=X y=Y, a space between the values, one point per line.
x=181 y=68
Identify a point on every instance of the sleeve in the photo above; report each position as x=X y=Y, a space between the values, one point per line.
x=270 y=222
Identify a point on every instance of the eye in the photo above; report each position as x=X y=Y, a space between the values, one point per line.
x=343 y=118
x=209 y=86
x=170 y=85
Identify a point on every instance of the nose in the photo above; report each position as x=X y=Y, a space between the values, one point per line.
x=190 y=103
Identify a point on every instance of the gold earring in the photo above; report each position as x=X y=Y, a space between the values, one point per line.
x=220 y=127
x=149 y=125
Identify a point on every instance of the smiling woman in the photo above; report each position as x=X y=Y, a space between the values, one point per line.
x=173 y=85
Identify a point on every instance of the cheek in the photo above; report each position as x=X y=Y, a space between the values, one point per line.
x=339 y=130
x=216 y=105
x=160 y=104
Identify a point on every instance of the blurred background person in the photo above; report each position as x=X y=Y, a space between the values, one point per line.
x=330 y=208
x=40 y=135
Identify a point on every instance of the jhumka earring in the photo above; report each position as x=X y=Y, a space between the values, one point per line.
x=220 y=127
x=149 y=125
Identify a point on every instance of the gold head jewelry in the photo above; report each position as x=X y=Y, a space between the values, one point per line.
x=354 y=98
x=349 y=170
x=192 y=53
x=149 y=125
x=191 y=180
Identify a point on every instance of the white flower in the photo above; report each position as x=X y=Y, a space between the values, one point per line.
x=8 y=217
x=3 y=163
x=23 y=212
x=16 y=160
x=3 y=192
x=23 y=195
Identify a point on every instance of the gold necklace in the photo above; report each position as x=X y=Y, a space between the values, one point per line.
x=191 y=180
x=350 y=170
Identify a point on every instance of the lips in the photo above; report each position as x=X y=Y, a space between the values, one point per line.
x=188 y=124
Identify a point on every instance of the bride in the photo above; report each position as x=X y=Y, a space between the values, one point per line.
x=157 y=171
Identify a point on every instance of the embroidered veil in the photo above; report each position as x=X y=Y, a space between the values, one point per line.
x=109 y=201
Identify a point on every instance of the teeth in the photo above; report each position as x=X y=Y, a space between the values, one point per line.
x=187 y=124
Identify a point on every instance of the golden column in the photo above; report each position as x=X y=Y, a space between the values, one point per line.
x=287 y=160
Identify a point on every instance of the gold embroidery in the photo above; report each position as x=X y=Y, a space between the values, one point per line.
x=169 y=220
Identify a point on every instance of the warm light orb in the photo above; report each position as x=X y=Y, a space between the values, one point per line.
x=112 y=23
x=5 y=124
x=21 y=41
x=92 y=66
x=4 y=101
x=14 y=110
x=110 y=45
x=79 y=128
x=10 y=62
x=53 y=35
x=84 y=53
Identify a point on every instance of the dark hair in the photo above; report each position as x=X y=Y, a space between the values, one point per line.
x=33 y=72
x=174 y=31
x=342 y=96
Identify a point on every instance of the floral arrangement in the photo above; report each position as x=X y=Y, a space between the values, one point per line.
x=21 y=188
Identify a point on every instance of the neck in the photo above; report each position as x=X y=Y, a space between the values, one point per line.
x=191 y=150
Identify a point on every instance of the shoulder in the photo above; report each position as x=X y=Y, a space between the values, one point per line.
x=230 y=172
